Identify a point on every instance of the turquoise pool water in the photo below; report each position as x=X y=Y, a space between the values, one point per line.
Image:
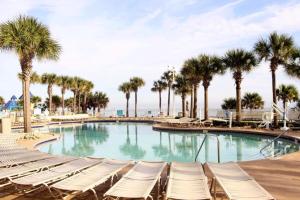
x=139 y=142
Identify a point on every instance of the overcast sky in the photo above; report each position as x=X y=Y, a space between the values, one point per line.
x=109 y=41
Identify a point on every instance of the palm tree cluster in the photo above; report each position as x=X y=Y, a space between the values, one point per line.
x=132 y=85
x=249 y=101
x=277 y=49
x=79 y=86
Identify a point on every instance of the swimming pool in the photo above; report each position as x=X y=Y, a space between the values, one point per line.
x=139 y=141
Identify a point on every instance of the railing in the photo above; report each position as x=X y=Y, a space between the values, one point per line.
x=270 y=143
x=203 y=141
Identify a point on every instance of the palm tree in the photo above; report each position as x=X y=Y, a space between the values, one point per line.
x=64 y=83
x=182 y=88
x=209 y=66
x=252 y=101
x=191 y=70
x=35 y=100
x=74 y=89
x=239 y=61
x=126 y=88
x=136 y=83
x=100 y=100
x=14 y=36
x=293 y=67
x=50 y=80
x=287 y=93
x=229 y=103
x=277 y=49
x=86 y=90
x=34 y=78
x=80 y=85
x=159 y=86
x=168 y=77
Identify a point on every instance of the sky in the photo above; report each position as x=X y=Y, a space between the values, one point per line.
x=108 y=42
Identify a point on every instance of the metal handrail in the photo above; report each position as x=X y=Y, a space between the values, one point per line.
x=218 y=146
x=271 y=142
x=196 y=157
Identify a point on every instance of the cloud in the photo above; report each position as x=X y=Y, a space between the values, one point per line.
x=108 y=52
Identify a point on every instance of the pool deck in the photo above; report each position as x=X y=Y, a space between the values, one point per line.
x=280 y=176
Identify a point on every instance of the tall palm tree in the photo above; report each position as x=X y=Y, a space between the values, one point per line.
x=86 y=90
x=191 y=70
x=136 y=83
x=159 y=86
x=239 y=61
x=126 y=88
x=168 y=77
x=182 y=88
x=80 y=85
x=252 y=101
x=64 y=83
x=287 y=93
x=50 y=80
x=14 y=37
x=277 y=49
x=74 y=89
x=209 y=67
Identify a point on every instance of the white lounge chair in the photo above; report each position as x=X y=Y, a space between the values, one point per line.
x=236 y=183
x=17 y=171
x=26 y=158
x=44 y=178
x=90 y=178
x=187 y=181
x=138 y=182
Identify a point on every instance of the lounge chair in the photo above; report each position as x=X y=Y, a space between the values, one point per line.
x=138 y=182
x=25 y=169
x=90 y=178
x=26 y=158
x=187 y=181
x=44 y=178
x=236 y=183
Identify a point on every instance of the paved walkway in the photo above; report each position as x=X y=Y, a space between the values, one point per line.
x=280 y=177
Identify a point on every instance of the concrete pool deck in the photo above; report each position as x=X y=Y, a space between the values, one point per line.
x=280 y=176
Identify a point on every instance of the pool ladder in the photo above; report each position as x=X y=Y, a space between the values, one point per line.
x=203 y=141
x=269 y=144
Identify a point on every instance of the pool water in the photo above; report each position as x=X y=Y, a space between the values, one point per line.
x=138 y=141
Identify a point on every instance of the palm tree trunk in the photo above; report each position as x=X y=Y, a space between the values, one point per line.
x=205 y=102
x=74 y=102
x=84 y=102
x=195 y=101
x=63 y=101
x=192 y=102
x=78 y=108
x=135 y=104
x=169 y=94
x=183 y=105
x=50 y=98
x=127 y=107
x=26 y=102
x=274 y=95
x=159 y=93
x=238 y=101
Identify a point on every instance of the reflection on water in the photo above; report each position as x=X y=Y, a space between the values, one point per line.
x=140 y=142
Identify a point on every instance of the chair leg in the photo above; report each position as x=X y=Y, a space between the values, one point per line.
x=215 y=189
x=95 y=194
